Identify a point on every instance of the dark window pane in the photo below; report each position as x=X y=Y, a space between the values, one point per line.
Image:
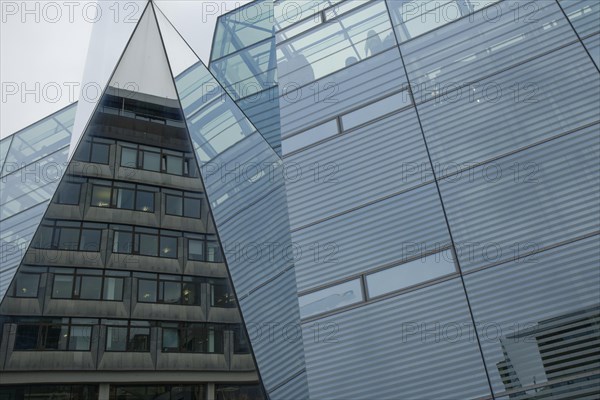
x=174 y=205
x=170 y=339
x=125 y=198
x=146 y=291
x=91 y=287
x=171 y=292
x=116 y=338
x=168 y=247
x=213 y=252
x=68 y=239
x=27 y=337
x=174 y=165
x=83 y=151
x=196 y=250
x=68 y=193
x=123 y=242
x=240 y=342
x=129 y=157
x=43 y=238
x=148 y=245
x=139 y=339
x=222 y=296
x=101 y=196
x=26 y=285
x=55 y=337
x=100 y=153
x=151 y=161
x=113 y=289
x=191 y=207
x=63 y=287
x=90 y=240
x=144 y=201
x=80 y=338
x=191 y=293
x=246 y=392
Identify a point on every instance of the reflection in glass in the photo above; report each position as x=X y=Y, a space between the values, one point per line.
x=331 y=298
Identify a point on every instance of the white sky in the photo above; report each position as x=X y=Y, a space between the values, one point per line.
x=44 y=44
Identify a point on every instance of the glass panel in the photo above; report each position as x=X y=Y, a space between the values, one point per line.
x=151 y=161
x=191 y=293
x=139 y=339
x=68 y=193
x=101 y=196
x=26 y=285
x=148 y=245
x=80 y=338
x=125 y=198
x=129 y=157
x=168 y=247
x=376 y=110
x=171 y=292
x=90 y=240
x=170 y=339
x=113 y=289
x=68 y=238
x=174 y=165
x=213 y=252
x=147 y=291
x=116 y=338
x=174 y=205
x=123 y=242
x=63 y=287
x=222 y=296
x=144 y=201
x=191 y=207
x=26 y=337
x=246 y=392
x=331 y=298
x=55 y=337
x=91 y=287
x=413 y=273
x=196 y=250
x=100 y=153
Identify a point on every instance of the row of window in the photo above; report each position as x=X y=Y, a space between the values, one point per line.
x=130 y=196
x=87 y=236
x=75 y=334
x=143 y=157
x=108 y=285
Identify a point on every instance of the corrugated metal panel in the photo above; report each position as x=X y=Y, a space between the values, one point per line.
x=558 y=93
x=592 y=44
x=387 y=231
x=415 y=346
x=529 y=200
x=370 y=163
x=512 y=298
x=341 y=91
x=584 y=14
x=272 y=319
x=291 y=390
x=484 y=44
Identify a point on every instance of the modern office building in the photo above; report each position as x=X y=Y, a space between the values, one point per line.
x=386 y=199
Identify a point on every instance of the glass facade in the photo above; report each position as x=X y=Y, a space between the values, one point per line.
x=355 y=199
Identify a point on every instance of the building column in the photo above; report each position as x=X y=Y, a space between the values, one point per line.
x=210 y=388
x=103 y=391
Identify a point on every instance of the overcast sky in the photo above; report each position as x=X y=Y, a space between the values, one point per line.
x=44 y=44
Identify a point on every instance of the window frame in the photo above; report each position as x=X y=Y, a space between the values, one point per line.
x=76 y=283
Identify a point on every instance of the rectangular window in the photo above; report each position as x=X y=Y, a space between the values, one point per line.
x=193 y=338
x=213 y=252
x=184 y=204
x=68 y=235
x=147 y=242
x=26 y=285
x=84 y=284
x=94 y=152
x=151 y=161
x=196 y=250
x=156 y=159
x=376 y=110
x=73 y=335
x=221 y=295
x=132 y=337
x=129 y=157
x=331 y=298
x=310 y=136
x=240 y=341
x=169 y=289
x=68 y=193
x=125 y=196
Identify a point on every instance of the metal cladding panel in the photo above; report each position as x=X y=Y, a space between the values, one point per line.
x=242 y=176
x=250 y=212
x=584 y=15
x=263 y=110
x=351 y=87
x=483 y=44
x=526 y=201
x=272 y=319
x=509 y=299
x=291 y=389
x=388 y=231
x=15 y=236
x=413 y=346
x=329 y=178
x=592 y=44
x=558 y=94
x=257 y=242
